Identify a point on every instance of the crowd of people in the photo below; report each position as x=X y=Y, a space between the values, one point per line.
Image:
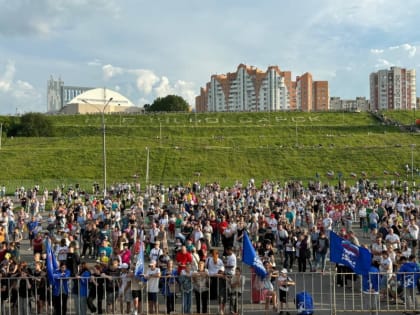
x=191 y=237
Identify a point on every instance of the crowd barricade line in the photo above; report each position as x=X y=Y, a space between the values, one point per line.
x=328 y=297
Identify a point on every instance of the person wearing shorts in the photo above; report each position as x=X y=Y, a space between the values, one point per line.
x=152 y=276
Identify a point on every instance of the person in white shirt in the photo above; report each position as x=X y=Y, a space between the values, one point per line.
x=393 y=239
x=216 y=269
x=155 y=252
x=152 y=275
x=230 y=265
x=413 y=228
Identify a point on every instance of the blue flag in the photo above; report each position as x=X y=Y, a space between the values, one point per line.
x=346 y=253
x=139 y=271
x=51 y=263
x=250 y=257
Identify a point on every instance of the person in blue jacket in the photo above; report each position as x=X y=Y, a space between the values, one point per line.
x=61 y=289
x=407 y=277
x=80 y=289
x=370 y=286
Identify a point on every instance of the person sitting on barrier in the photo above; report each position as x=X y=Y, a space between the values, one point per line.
x=268 y=287
x=284 y=282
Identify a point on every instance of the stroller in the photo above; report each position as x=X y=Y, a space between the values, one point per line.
x=304 y=303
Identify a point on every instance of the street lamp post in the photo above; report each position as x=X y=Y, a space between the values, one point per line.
x=412 y=161
x=103 y=138
x=147 y=170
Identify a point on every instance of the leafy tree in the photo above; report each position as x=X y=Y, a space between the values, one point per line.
x=169 y=103
x=32 y=125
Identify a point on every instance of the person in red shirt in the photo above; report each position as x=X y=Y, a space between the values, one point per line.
x=222 y=227
x=182 y=258
x=215 y=236
x=37 y=244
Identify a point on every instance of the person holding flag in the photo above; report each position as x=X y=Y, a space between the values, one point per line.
x=342 y=251
x=250 y=258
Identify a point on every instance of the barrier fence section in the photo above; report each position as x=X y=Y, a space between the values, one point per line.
x=332 y=293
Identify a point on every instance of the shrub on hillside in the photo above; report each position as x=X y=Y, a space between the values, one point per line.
x=32 y=125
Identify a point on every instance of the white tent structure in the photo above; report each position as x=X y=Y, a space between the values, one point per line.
x=100 y=100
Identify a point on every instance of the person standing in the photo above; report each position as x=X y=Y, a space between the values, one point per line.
x=185 y=281
x=322 y=246
x=152 y=276
x=237 y=282
x=112 y=284
x=201 y=288
x=81 y=289
x=370 y=285
x=408 y=276
x=214 y=264
x=168 y=284
x=61 y=289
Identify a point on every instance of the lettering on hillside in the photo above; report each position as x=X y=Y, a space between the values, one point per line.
x=239 y=120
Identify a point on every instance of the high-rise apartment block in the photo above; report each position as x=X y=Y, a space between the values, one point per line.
x=251 y=89
x=393 y=89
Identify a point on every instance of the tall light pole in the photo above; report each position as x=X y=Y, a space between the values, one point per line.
x=103 y=137
x=412 y=161
x=147 y=169
x=1 y=133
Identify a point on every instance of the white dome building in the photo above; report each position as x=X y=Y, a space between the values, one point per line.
x=99 y=100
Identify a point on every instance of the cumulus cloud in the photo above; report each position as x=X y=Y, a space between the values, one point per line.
x=410 y=49
x=110 y=71
x=17 y=93
x=145 y=81
x=150 y=84
x=164 y=88
x=376 y=51
x=45 y=17
x=383 y=63
x=7 y=78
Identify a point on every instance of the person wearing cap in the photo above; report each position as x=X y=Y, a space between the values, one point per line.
x=124 y=294
x=152 y=276
x=283 y=283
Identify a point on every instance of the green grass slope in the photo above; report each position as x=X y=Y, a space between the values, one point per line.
x=222 y=147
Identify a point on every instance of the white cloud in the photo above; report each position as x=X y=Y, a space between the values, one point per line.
x=383 y=63
x=150 y=84
x=46 y=17
x=145 y=81
x=17 y=93
x=7 y=78
x=163 y=88
x=376 y=51
x=410 y=49
x=110 y=71
x=94 y=63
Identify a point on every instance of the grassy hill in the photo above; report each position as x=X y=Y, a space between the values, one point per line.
x=222 y=147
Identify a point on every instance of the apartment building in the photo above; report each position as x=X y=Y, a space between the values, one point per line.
x=252 y=89
x=393 y=89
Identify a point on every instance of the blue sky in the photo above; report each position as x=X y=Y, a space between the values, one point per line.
x=146 y=49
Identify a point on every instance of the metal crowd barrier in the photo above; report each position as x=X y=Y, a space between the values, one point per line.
x=29 y=295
